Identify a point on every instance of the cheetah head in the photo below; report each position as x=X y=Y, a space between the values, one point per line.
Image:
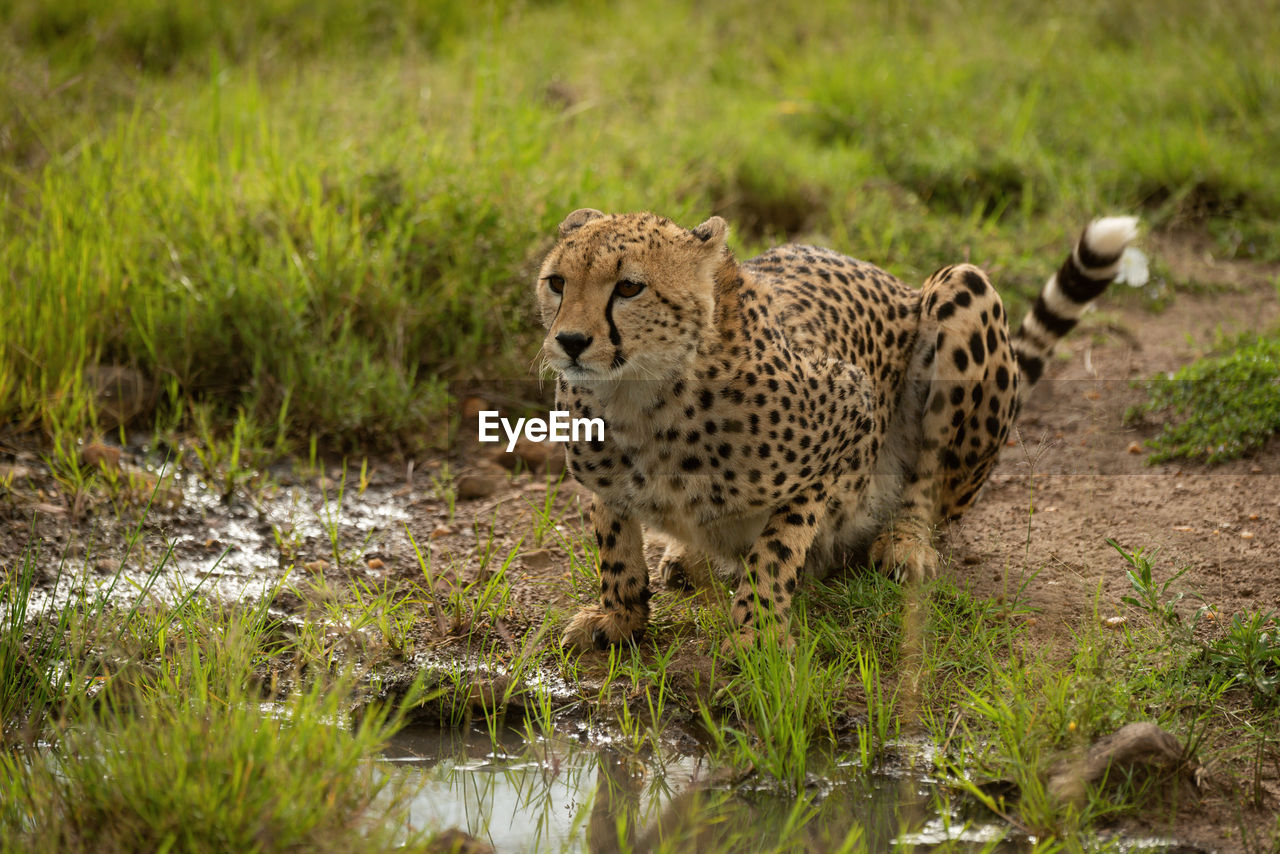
x=628 y=296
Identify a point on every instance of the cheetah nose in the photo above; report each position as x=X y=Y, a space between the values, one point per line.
x=573 y=343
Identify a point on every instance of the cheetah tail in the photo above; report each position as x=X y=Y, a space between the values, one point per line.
x=1081 y=279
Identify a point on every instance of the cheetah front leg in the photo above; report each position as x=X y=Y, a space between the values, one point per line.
x=623 y=611
x=771 y=571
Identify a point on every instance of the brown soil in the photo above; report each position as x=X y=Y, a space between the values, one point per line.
x=1076 y=477
x=1086 y=475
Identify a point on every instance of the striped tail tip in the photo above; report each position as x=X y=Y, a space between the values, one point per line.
x=1084 y=275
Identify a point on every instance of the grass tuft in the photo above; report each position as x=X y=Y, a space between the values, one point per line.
x=1224 y=407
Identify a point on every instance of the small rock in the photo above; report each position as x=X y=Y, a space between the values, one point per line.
x=472 y=486
x=537 y=559
x=1246 y=535
x=455 y=841
x=316 y=565
x=1132 y=747
x=489 y=695
x=533 y=455
x=97 y=454
x=441 y=531
x=1115 y=622
x=375 y=563
x=1135 y=448
x=472 y=406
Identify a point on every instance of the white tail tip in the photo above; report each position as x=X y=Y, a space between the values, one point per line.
x=1110 y=235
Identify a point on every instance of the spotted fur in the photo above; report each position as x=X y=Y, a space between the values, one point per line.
x=784 y=414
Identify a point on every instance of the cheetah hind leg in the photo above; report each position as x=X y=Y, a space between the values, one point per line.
x=964 y=380
x=684 y=568
x=904 y=550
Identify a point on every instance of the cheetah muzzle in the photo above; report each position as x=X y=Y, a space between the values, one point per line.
x=783 y=413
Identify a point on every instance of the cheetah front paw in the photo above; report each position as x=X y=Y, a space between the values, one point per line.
x=595 y=628
x=908 y=556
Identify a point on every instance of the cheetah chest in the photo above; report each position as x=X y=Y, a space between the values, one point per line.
x=710 y=454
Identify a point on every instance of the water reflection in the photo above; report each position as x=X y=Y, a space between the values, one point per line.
x=562 y=794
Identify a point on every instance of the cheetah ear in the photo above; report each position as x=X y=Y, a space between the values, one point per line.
x=577 y=219
x=713 y=232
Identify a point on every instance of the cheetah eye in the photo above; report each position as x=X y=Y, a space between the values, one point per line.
x=628 y=288
x=556 y=283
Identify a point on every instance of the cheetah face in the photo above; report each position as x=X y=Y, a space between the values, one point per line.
x=628 y=296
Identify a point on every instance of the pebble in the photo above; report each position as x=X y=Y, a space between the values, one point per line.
x=534 y=455
x=536 y=559
x=472 y=406
x=375 y=563
x=98 y=454
x=441 y=531
x=1135 y=448
x=469 y=487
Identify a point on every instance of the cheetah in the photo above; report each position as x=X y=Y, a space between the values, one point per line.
x=785 y=414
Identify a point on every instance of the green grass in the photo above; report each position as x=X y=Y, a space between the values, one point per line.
x=311 y=219
x=173 y=727
x=1223 y=406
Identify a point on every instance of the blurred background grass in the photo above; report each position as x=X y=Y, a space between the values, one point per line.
x=312 y=216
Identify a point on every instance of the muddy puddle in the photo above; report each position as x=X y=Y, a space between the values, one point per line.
x=577 y=793
x=178 y=537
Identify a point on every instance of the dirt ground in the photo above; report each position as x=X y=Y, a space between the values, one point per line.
x=1075 y=463
x=1087 y=475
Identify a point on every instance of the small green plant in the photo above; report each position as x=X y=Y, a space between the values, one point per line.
x=545 y=519
x=1155 y=598
x=1225 y=406
x=75 y=480
x=223 y=461
x=1250 y=653
x=445 y=489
